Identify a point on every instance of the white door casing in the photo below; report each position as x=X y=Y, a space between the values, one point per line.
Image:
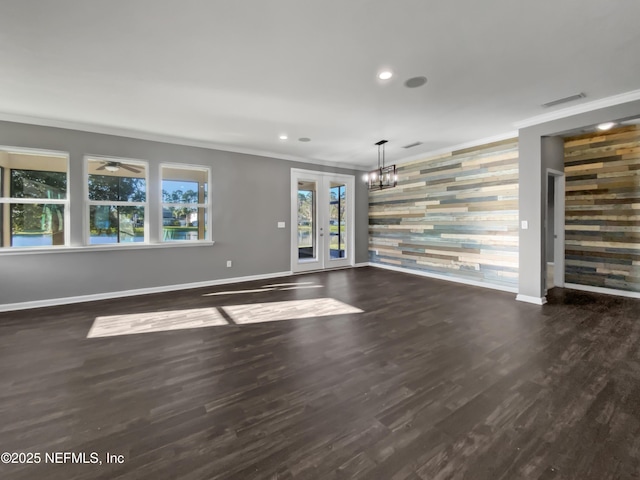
x=319 y=254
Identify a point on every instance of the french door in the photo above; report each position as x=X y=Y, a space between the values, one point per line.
x=322 y=220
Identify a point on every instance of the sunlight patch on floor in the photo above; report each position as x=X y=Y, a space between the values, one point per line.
x=301 y=287
x=233 y=292
x=267 y=288
x=156 y=322
x=245 y=314
x=289 y=310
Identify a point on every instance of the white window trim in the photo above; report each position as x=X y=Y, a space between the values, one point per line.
x=86 y=223
x=101 y=248
x=207 y=206
x=153 y=194
x=66 y=202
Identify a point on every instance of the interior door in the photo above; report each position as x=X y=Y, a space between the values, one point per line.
x=322 y=233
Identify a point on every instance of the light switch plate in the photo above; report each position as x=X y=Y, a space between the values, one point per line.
x=524 y=224
x=281 y=224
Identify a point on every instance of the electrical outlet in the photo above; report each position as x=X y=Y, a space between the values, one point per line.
x=228 y=263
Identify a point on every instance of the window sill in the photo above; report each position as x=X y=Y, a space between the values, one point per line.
x=103 y=248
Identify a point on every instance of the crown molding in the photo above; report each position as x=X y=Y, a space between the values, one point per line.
x=158 y=137
x=460 y=146
x=578 y=109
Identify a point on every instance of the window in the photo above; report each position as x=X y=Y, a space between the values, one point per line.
x=185 y=203
x=117 y=201
x=33 y=199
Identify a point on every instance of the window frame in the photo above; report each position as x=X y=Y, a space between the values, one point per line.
x=66 y=202
x=88 y=203
x=208 y=239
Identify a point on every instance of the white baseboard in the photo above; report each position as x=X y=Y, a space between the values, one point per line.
x=7 y=307
x=445 y=277
x=363 y=264
x=606 y=291
x=529 y=299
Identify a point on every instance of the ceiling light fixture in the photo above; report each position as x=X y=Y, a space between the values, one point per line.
x=111 y=168
x=606 y=126
x=283 y=137
x=383 y=177
x=385 y=75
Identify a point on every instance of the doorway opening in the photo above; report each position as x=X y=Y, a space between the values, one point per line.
x=554 y=230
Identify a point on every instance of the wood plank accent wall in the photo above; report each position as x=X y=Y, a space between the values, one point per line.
x=602 y=213
x=454 y=215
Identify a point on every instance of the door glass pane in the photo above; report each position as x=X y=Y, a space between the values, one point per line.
x=307 y=248
x=337 y=221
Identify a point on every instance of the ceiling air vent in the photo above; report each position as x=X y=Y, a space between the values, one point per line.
x=411 y=145
x=564 y=100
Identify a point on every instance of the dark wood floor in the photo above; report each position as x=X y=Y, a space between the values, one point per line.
x=433 y=381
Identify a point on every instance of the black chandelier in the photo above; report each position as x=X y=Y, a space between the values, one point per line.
x=383 y=177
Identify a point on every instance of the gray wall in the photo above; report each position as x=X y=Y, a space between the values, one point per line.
x=534 y=161
x=250 y=195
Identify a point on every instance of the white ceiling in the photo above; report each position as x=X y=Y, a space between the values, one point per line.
x=236 y=74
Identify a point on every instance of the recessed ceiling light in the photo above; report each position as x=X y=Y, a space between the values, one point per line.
x=283 y=137
x=385 y=75
x=606 y=126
